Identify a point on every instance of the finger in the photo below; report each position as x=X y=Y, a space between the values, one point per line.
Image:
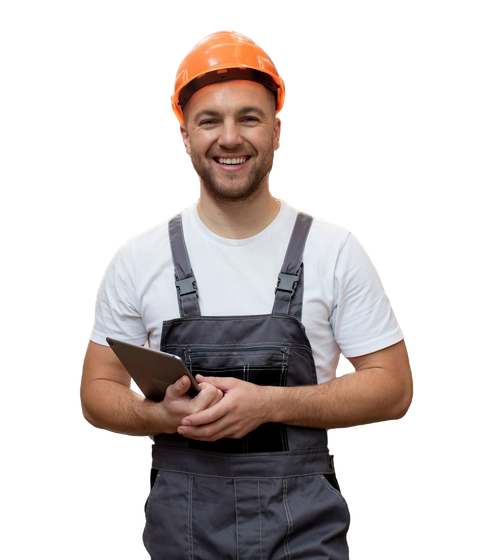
x=222 y=383
x=206 y=416
x=210 y=432
x=208 y=396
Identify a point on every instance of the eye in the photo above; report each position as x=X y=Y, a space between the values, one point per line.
x=207 y=122
x=249 y=119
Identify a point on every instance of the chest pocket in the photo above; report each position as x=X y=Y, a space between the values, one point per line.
x=262 y=365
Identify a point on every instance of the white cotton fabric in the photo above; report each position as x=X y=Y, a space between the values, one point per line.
x=345 y=308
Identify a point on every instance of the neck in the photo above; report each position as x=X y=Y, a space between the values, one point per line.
x=238 y=219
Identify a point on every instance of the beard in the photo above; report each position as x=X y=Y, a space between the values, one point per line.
x=230 y=188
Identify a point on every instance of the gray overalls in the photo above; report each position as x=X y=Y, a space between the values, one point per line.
x=271 y=494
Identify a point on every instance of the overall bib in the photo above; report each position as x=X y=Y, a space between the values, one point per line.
x=273 y=493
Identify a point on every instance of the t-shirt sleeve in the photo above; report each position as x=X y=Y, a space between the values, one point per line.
x=362 y=319
x=117 y=312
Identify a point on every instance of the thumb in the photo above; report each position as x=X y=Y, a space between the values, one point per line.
x=179 y=388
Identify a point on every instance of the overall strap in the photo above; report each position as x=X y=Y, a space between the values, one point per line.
x=290 y=286
x=187 y=292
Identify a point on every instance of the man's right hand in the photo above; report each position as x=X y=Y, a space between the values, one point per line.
x=178 y=404
x=109 y=403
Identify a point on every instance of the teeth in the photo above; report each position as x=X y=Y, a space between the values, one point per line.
x=232 y=161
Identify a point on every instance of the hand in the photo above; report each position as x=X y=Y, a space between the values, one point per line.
x=178 y=404
x=243 y=408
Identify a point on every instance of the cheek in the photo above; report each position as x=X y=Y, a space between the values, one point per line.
x=200 y=144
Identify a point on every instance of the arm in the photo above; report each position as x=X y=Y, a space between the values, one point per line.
x=109 y=403
x=379 y=389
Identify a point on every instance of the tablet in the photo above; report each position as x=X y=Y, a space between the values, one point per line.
x=153 y=371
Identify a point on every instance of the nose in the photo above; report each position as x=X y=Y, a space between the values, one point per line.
x=229 y=134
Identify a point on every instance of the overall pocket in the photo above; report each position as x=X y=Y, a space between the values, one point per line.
x=262 y=365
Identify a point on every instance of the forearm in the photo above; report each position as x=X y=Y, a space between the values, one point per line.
x=380 y=389
x=357 y=398
x=112 y=406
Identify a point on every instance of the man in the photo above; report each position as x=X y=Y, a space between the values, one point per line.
x=242 y=470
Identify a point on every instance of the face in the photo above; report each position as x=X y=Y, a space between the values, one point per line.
x=231 y=133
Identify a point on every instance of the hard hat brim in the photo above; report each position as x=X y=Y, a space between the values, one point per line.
x=226 y=75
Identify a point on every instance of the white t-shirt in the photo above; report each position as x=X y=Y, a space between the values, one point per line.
x=345 y=308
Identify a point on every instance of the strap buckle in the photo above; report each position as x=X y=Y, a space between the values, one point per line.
x=288 y=282
x=186 y=286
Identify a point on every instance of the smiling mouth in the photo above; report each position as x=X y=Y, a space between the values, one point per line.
x=231 y=161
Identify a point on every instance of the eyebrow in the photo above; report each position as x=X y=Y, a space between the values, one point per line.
x=239 y=113
x=206 y=113
x=250 y=109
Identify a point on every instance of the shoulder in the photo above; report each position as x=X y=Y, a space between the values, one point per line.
x=324 y=232
x=146 y=256
x=326 y=241
x=334 y=252
x=152 y=244
x=145 y=241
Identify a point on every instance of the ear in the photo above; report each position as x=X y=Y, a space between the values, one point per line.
x=276 y=134
x=185 y=138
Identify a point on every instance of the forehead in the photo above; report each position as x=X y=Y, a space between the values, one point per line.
x=230 y=96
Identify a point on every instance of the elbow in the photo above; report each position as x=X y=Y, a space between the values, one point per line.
x=401 y=410
x=86 y=411
x=88 y=417
x=402 y=402
x=93 y=420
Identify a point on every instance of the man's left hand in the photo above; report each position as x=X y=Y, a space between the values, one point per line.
x=242 y=409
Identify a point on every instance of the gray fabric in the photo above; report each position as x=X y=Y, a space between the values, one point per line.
x=188 y=301
x=272 y=494
x=285 y=302
x=197 y=517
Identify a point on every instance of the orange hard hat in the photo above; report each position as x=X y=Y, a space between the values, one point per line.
x=225 y=55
